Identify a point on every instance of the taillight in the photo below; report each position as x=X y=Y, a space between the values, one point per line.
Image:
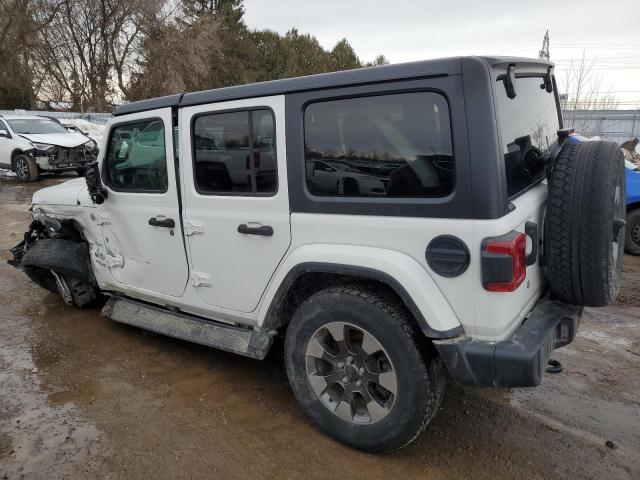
x=504 y=265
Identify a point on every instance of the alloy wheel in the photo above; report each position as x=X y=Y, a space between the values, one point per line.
x=22 y=169
x=350 y=372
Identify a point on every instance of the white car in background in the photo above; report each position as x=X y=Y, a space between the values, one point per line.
x=30 y=145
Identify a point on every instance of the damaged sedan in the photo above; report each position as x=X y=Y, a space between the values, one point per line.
x=31 y=145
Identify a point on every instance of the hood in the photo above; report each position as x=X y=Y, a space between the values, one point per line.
x=68 y=140
x=62 y=194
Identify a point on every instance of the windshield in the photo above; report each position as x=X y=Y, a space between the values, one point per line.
x=36 y=126
x=529 y=124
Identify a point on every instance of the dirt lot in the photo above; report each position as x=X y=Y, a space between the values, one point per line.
x=84 y=397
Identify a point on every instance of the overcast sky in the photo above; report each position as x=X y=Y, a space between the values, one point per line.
x=406 y=30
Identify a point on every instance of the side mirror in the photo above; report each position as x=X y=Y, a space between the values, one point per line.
x=97 y=192
x=4 y=133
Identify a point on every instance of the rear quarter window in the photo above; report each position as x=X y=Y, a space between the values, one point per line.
x=394 y=145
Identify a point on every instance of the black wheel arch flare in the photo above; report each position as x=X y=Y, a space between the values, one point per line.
x=273 y=318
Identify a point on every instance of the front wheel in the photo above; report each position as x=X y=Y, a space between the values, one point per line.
x=360 y=369
x=26 y=168
x=632 y=240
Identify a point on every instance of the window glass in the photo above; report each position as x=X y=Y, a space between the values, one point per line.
x=136 y=158
x=529 y=124
x=264 y=151
x=381 y=146
x=28 y=126
x=225 y=143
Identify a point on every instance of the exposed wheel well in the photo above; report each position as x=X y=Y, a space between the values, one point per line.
x=70 y=229
x=305 y=280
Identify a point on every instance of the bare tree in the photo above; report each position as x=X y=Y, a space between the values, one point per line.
x=20 y=22
x=87 y=50
x=585 y=90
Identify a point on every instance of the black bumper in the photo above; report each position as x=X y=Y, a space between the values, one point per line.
x=519 y=361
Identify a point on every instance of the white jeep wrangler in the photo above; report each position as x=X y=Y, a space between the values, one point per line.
x=395 y=224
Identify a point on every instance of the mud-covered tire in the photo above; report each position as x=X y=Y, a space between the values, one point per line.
x=25 y=168
x=584 y=223
x=632 y=240
x=419 y=371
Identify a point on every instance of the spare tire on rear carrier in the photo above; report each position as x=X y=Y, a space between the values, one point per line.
x=584 y=226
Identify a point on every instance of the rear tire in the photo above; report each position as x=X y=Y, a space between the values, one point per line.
x=584 y=223
x=632 y=240
x=26 y=168
x=395 y=356
x=81 y=171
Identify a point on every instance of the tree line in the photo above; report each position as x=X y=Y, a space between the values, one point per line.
x=92 y=54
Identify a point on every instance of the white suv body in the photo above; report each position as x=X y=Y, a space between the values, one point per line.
x=203 y=220
x=31 y=144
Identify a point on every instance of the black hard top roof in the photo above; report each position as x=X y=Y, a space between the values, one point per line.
x=424 y=68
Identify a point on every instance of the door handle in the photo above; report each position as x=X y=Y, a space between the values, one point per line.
x=264 y=230
x=165 y=222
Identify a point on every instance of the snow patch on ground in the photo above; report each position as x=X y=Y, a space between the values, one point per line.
x=6 y=173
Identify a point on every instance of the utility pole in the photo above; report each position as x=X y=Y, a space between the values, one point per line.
x=544 y=51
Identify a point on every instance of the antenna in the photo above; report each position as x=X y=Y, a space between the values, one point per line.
x=544 y=51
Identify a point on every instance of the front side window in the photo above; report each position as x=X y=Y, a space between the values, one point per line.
x=396 y=145
x=136 y=157
x=234 y=153
x=528 y=124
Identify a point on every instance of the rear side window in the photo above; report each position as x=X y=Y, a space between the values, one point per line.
x=528 y=124
x=234 y=153
x=396 y=145
x=136 y=157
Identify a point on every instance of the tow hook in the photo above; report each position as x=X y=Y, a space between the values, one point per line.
x=65 y=291
x=553 y=366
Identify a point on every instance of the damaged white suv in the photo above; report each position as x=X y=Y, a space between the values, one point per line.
x=30 y=145
x=456 y=233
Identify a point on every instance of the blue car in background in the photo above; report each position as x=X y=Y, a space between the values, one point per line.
x=632 y=242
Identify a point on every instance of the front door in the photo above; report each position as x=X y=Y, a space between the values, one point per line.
x=142 y=241
x=236 y=205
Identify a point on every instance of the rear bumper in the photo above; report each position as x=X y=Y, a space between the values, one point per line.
x=519 y=361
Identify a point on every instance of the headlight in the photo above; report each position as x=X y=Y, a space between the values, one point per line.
x=91 y=145
x=43 y=147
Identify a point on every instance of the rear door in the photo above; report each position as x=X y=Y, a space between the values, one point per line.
x=236 y=205
x=142 y=243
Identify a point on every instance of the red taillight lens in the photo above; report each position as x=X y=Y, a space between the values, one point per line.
x=504 y=265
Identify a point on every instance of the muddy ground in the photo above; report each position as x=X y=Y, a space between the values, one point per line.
x=84 y=397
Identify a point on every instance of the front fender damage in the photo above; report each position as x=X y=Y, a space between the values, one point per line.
x=56 y=257
x=65 y=257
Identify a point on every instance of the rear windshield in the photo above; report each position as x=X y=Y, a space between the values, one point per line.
x=528 y=124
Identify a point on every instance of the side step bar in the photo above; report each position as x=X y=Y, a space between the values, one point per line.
x=250 y=343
